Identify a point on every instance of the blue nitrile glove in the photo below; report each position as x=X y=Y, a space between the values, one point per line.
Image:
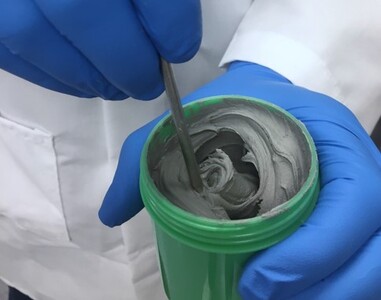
x=336 y=254
x=91 y=48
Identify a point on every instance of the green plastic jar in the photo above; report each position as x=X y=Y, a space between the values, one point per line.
x=200 y=258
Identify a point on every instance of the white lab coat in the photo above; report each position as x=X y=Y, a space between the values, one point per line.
x=58 y=153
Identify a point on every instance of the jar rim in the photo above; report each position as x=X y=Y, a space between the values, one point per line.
x=231 y=236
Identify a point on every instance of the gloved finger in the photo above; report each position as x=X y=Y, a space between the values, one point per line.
x=123 y=200
x=27 y=34
x=359 y=278
x=21 y=68
x=174 y=26
x=110 y=35
x=346 y=215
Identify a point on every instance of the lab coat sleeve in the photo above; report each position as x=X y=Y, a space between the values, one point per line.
x=332 y=47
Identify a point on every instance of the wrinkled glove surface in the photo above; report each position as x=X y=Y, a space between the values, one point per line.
x=97 y=48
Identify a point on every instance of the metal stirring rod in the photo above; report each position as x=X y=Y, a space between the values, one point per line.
x=181 y=128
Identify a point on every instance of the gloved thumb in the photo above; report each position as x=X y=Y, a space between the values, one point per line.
x=123 y=200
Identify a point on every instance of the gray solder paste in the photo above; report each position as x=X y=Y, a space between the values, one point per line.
x=251 y=160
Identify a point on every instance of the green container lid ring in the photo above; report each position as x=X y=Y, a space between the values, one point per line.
x=230 y=236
